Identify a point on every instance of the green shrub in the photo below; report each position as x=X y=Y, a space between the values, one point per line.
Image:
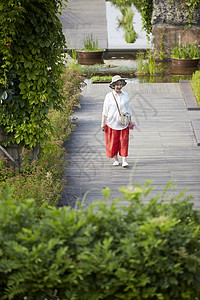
x=101 y=78
x=195 y=83
x=42 y=179
x=140 y=251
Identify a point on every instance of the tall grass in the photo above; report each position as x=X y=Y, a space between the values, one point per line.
x=90 y=43
x=147 y=64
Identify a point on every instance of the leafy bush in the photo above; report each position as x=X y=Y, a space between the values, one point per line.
x=195 y=83
x=140 y=251
x=42 y=180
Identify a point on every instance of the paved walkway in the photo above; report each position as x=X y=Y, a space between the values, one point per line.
x=163 y=145
x=81 y=18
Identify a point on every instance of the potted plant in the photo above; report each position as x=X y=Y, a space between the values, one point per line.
x=91 y=54
x=185 y=55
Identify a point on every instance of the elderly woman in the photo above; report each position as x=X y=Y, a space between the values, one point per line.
x=116 y=134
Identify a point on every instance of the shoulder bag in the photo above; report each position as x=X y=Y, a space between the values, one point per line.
x=125 y=118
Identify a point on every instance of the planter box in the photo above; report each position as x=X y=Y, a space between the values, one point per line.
x=178 y=70
x=185 y=63
x=90 y=58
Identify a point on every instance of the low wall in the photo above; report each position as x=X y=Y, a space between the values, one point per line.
x=171 y=19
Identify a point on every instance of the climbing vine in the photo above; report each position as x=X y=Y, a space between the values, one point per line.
x=191 y=4
x=146 y=13
x=31 y=64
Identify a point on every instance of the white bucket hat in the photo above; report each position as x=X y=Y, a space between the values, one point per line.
x=115 y=79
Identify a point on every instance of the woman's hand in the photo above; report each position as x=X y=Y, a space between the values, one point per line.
x=102 y=127
x=103 y=122
x=131 y=125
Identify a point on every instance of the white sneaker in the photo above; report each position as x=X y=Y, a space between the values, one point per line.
x=125 y=164
x=116 y=163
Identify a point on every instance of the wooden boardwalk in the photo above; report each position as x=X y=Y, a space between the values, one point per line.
x=82 y=18
x=162 y=147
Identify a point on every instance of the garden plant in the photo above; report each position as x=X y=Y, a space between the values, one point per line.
x=147 y=64
x=91 y=44
x=126 y=22
x=42 y=179
x=143 y=250
x=37 y=96
x=195 y=83
x=184 y=51
x=101 y=78
x=31 y=64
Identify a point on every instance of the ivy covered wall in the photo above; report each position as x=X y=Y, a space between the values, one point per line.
x=31 y=64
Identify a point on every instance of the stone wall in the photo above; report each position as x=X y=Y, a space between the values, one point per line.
x=171 y=19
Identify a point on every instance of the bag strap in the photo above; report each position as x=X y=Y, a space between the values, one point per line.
x=116 y=103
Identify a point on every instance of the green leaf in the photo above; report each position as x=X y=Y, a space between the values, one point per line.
x=22 y=86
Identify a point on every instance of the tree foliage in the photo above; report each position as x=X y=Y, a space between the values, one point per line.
x=31 y=64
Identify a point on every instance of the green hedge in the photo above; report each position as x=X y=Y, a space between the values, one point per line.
x=139 y=251
x=195 y=83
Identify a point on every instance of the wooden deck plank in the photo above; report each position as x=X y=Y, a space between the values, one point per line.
x=82 y=18
x=162 y=147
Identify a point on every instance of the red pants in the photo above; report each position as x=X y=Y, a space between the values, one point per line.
x=116 y=141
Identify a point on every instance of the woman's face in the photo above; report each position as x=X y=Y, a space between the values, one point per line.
x=118 y=86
